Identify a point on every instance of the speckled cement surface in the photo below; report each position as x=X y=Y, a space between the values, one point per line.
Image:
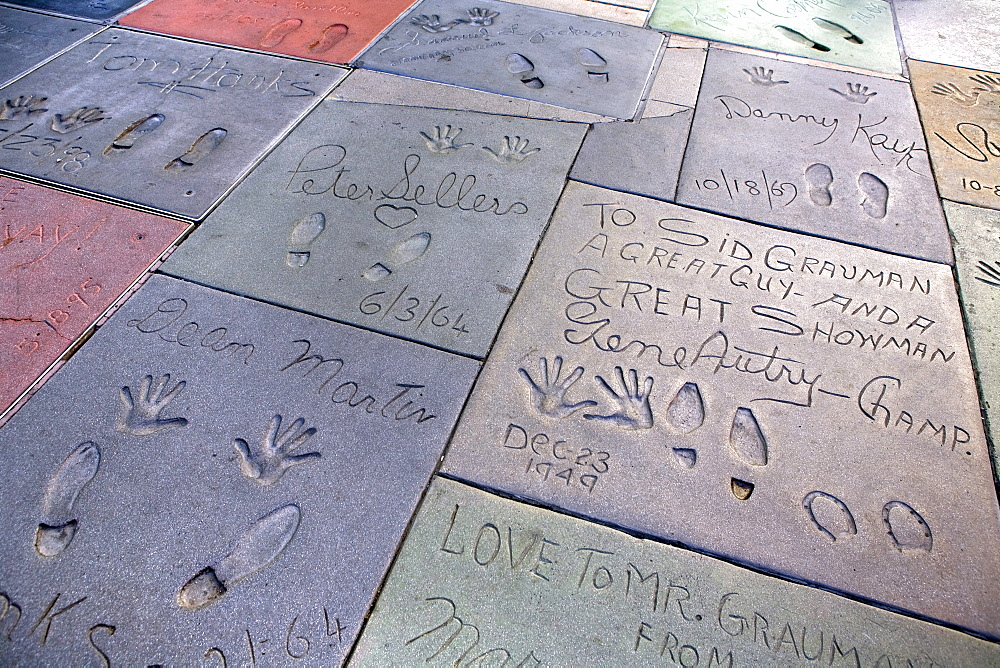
x=699 y=295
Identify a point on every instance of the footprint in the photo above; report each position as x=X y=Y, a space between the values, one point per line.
x=746 y=439
x=819 y=177
x=876 y=195
x=799 y=38
x=405 y=252
x=686 y=457
x=686 y=411
x=594 y=63
x=280 y=31
x=56 y=533
x=256 y=548
x=332 y=36
x=838 y=30
x=304 y=233
x=127 y=139
x=199 y=150
x=522 y=68
x=741 y=489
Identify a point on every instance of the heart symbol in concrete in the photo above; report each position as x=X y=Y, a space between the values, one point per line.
x=395 y=217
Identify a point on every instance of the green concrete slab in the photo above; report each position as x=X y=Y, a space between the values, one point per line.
x=484 y=581
x=858 y=33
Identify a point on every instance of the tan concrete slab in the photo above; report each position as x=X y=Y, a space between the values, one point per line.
x=483 y=580
x=960 y=110
x=785 y=401
x=976 y=235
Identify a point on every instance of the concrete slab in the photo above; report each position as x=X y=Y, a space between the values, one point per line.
x=330 y=32
x=413 y=222
x=663 y=368
x=97 y=10
x=159 y=122
x=383 y=88
x=813 y=150
x=28 y=38
x=626 y=12
x=851 y=32
x=642 y=157
x=976 y=234
x=959 y=109
x=211 y=478
x=489 y=579
x=552 y=57
x=63 y=261
x=955 y=32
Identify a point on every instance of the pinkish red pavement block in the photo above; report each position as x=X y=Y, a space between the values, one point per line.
x=64 y=260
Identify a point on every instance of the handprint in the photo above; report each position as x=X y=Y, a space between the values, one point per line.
x=79 y=118
x=443 y=139
x=987 y=83
x=955 y=94
x=633 y=406
x=548 y=396
x=267 y=464
x=856 y=93
x=763 y=77
x=481 y=17
x=22 y=107
x=432 y=23
x=512 y=150
x=142 y=417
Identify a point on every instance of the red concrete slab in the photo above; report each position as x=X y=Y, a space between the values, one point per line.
x=334 y=32
x=63 y=261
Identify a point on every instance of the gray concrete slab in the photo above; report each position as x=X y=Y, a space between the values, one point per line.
x=28 y=38
x=859 y=33
x=414 y=222
x=780 y=400
x=953 y=32
x=155 y=121
x=489 y=579
x=814 y=150
x=85 y=9
x=976 y=234
x=959 y=109
x=214 y=479
x=562 y=59
x=642 y=157
x=384 y=88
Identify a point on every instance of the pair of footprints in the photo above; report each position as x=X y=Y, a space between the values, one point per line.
x=200 y=149
x=594 y=64
x=829 y=26
x=685 y=413
x=255 y=549
x=331 y=36
x=26 y=106
x=819 y=178
x=307 y=229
